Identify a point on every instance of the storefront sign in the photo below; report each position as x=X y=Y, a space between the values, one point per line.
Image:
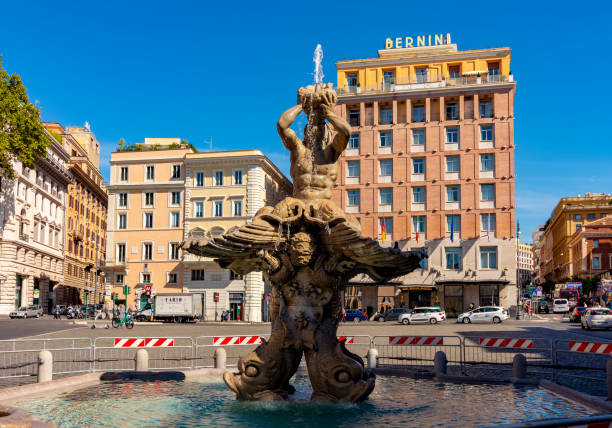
x=416 y=288
x=418 y=41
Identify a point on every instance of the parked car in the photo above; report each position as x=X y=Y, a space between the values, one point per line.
x=597 y=318
x=560 y=306
x=542 y=306
x=354 y=315
x=391 y=314
x=577 y=313
x=33 y=311
x=427 y=314
x=494 y=314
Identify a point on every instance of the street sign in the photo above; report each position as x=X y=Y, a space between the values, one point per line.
x=539 y=288
x=36 y=293
x=534 y=293
x=267 y=298
x=147 y=288
x=539 y=293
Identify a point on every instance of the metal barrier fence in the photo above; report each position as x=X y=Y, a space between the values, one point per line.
x=235 y=347
x=111 y=354
x=19 y=358
x=494 y=354
x=357 y=344
x=416 y=351
x=582 y=365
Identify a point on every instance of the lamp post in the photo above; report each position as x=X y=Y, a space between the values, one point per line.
x=518 y=286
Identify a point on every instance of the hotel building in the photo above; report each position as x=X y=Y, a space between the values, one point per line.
x=145 y=223
x=223 y=190
x=32 y=216
x=431 y=160
x=569 y=216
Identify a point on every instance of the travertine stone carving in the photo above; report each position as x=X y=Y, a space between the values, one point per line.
x=308 y=249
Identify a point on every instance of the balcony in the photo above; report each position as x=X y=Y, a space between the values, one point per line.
x=426 y=82
x=24 y=237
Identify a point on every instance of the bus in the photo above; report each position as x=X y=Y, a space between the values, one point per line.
x=571 y=294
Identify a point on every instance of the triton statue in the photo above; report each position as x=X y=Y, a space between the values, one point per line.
x=308 y=249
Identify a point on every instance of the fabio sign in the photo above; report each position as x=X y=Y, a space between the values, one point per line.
x=147 y=289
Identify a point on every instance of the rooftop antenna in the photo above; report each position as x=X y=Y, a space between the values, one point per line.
x=210 y=143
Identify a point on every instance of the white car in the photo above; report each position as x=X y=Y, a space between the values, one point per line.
x=597 y=318
x=494 y=314
x=560 y=306
x=426 y=314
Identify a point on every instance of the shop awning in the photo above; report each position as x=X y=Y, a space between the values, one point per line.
x=474 y=282
x=475 y=73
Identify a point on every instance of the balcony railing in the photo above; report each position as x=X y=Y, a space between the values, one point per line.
x=24 y=237
x=426 y=82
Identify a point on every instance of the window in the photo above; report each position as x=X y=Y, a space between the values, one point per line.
x=176 y=171
x=385 y=224
x=418 y=166
x=351 y=79
x=418 y=113
x=454 y=71
x=119 y=278
x=418 y=137
x=386 y=116
x=423 y=262
x=486 y=108
x=488 y=257
x=577 y=216
x=578 y=226
x=175 y=198
x=452 y=135
x=123 y=200
x=418 y=223
x=418 y=195
x=386 y=139
x=487 y=192
x=148 y=223
x=453 y=222
x=452 y=164
x=237 y=208
x=197 y=274
x=147 y=251
x=122 y=221
x=386 y=196
x=595 y=243
x=149 y=199
x=353 y=198
x=388 y=78
x=486 y=133
x=453 y=258
x=354 y=141
x=199 y=179
x=238 y=176
x=452 y=112
x=174 y=251
x=591 y=216
x=172 y=277
x=487 y=222
x=234 y=275
x=150 y=172
x=386 y=167
x=421 y=75
x=218 y=178
x=493 y=68
x=354 y=117
x=486 y=162
x=452 y=193
x=352 y=169
x=199 y=209
x=123 y=173
x=175 y=218
x=146 y=277
x=218 y=208
x=488 y=295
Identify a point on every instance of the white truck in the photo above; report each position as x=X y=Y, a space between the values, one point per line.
x=184 y=307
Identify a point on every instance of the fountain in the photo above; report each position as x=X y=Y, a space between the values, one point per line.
x=308 y=249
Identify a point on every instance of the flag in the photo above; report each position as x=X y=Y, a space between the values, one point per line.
x=382 y=226
x=452 y=228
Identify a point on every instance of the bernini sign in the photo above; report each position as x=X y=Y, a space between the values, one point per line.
x=415 y=42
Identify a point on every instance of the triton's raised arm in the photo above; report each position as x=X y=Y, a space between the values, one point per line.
x=290 y=140
x=343 y=129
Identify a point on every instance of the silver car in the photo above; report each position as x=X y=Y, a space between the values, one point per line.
x=33 y=311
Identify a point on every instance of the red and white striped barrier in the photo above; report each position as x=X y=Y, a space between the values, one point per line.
x=493 y=342
x=591 y=348
x=236 y=340
x=144 y=343
x=349 y=339
x=416 y=340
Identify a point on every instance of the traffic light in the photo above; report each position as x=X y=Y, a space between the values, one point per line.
x=129 y=290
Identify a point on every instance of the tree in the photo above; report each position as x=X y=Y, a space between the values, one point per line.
x=22 y=136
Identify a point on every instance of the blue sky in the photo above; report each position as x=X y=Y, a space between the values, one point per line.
x=228 y=70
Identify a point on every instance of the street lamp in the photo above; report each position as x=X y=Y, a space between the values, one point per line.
x=518 y=286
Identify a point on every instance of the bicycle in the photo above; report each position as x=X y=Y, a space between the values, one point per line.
x=127 y=321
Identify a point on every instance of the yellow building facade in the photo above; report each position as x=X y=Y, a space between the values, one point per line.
x=569 y=215
x=223 y=190
x=145 y=224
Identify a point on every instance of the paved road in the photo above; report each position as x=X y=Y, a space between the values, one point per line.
x=12 y=329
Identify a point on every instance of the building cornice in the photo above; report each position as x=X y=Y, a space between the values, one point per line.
x=170 y=185
x=91 y=185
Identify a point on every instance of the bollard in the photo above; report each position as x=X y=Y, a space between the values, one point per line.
x=220 y=358
x=45 y=366
x=609 y=378
x=440 y=363
x=519 y=367
x=142 y=360
x=372 y=358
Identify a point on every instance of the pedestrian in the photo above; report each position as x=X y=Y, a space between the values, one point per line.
x=472 y=306
x=343 y=315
